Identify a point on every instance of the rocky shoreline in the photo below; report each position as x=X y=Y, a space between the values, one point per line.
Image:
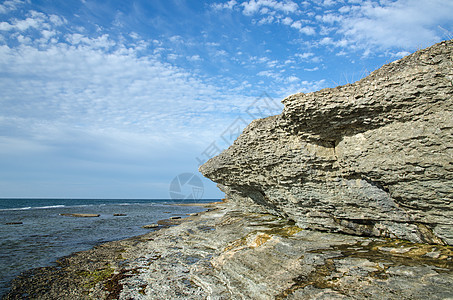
x=229 y=253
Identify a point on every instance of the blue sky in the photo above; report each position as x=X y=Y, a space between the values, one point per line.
x=113 y=99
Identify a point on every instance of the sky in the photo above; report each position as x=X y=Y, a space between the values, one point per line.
x=118 y=99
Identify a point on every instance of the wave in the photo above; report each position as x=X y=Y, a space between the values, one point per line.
x=31 y=207
x=67 y=206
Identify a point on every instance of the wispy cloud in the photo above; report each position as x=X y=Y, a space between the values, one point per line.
x=94 y=100
x=406 y=24
x=265 y=6
x=10 y=5
x=363 y=26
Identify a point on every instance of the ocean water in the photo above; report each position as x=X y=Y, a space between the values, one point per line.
x=44 y=235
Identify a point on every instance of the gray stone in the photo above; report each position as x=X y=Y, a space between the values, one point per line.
x=14 y=223
x=150 y=226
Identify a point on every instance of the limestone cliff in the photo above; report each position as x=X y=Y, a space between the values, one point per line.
x=372 y=158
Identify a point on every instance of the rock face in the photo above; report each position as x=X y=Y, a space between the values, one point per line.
x=373 y=158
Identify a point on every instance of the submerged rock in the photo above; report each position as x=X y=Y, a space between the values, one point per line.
x=373 y=158
x=81 y=215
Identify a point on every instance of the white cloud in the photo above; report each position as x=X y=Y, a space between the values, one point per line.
x=135 y=35
x=213 y=44
x=194 y=58
x=297 y=25
x=304 y=86
x=266 y=20
x=303 y=29
x=273 y=75
x=329 y=18
x=344 y=9
x=22 y=25
x=176 y=39
x=221 y=53
x=253 y=6
x=305 y=55
x=43 y=24
x=10 y=5
x=308 y=30
x=405 y=24
x=291 y=79
x=272 y=63
x=400 y=54
x=229 y=5
x=24 y=39
x=265 y=73
x=57 y=20
x=308 y=56
x=311 y=86
x=172 y=56
x=101 y=42
x=329 y=2
x=287 y=21
x=271 y=11
x=326 y=41
x=5 y=26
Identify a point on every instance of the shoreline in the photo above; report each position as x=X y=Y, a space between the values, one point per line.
x=220 y=253
x=56 y=262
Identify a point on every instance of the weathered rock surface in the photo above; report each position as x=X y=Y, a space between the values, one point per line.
x=227 y=253
x=373 y=158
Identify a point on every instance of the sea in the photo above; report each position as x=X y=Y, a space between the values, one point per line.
x=33 y=233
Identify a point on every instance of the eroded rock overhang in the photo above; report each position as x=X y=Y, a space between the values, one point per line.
x=372 y=158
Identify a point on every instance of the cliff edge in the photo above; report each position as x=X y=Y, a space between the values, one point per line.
x=373 y=158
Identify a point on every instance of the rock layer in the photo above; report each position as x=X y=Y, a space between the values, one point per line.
x=372 y=158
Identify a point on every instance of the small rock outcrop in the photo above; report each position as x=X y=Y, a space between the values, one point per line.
x=373 y=158
x=150 y=226
x=81 y=215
